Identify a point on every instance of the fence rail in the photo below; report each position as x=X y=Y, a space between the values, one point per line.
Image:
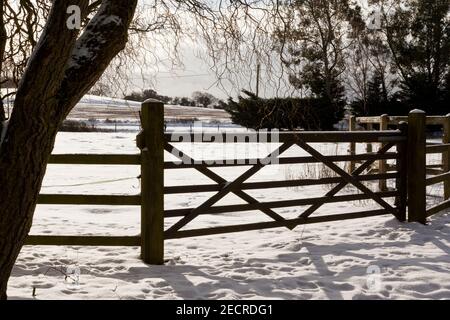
x=406 y=147
x=83 y=240
x=394 y=120
x=438 y=148
x=87 y=199
x=96 y=159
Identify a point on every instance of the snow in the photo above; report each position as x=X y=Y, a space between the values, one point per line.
x=102 y=108
x=86 y=48
x=112 y=19
x=99 y=100
x=371 y=258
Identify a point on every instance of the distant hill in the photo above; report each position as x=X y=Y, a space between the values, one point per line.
x=101 y=108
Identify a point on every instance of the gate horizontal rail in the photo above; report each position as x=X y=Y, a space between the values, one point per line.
x=278 y=204
x=291 y=160
x=286 y=136
x=273 y=224
x=276 y=184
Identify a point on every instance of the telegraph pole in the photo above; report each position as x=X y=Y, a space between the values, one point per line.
x=258 y=73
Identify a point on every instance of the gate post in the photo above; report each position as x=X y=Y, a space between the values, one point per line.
x=352 y=151
x=402 y=169
x=416 y=166
x=382 y=165
x=369 y=148
x=446 y=156
x=151 y=143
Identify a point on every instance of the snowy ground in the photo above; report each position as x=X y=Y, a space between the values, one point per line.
x=372 y=258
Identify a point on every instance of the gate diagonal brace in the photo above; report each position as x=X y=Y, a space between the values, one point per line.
x=228 y=187
x=349 y=178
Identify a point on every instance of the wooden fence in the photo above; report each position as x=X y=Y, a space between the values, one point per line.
x=427 y=174
x=93 y=200
x=399 y=145
x=382 y=122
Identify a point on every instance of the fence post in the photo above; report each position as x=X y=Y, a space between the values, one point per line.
x=416 y=166
x=152 y=182
x=446 y=155
x=384 y=120
x=369 y=144
x=352 y=127
x=402 y=169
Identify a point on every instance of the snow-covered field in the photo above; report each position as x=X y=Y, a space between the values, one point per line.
x=101 y=108
x=126 y=113
x=371 y=258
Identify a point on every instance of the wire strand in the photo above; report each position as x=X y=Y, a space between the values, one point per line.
x=91 y=183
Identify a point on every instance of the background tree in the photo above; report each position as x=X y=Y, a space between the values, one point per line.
x=314 y=41
x=203 y=99
x=147 y=94
x=370 y=76
x=175 y=101
x=24 y=21
x=251 y=111
x=359 y=70
x=185 y=101
x=101 y=89
x=417 y=33
x=152 y=94
x=378 y=102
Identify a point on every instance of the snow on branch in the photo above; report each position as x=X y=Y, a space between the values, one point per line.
x=102 y=39
x=90 y=42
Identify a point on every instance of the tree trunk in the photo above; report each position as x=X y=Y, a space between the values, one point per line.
x=21 y=183
x=2 y=115
x=62 y=69
x=3 y=39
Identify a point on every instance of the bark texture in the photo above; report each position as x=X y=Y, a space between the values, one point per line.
x=3 y=39
x=63 y=67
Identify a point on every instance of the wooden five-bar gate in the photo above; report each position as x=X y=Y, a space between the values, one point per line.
x=400 y=145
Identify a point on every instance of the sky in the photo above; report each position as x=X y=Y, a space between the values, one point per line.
x=195 y=74
x=182 y=81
